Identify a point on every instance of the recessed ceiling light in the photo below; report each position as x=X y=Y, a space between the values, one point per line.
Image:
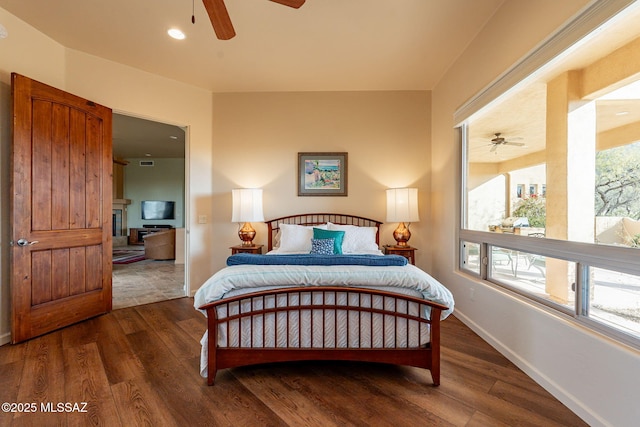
x=147 y=154
x=173 y=137
x=622 y=113
x=176 y=34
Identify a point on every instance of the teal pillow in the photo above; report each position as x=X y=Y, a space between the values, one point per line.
x=337 y=237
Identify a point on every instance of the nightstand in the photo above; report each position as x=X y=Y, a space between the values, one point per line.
x=408 y=252
x=254 y=249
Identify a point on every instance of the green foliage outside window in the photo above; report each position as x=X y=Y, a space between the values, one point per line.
x=618 y=181
x=534 y=208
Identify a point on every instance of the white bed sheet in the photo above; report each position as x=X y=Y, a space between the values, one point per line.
x=256 y=276
x=242 y=279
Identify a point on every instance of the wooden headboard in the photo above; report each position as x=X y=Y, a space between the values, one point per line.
x=319 y=218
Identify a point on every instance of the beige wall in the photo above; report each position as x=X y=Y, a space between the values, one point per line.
x=25 y=51
x=246 y=140
x=257 y=138
x=42 y=50
x=374 y=128
x=574 y=364
x=125 y=90
x=5 y=238
x=141 y=94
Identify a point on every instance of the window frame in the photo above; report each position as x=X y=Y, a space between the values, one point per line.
x=584 y=255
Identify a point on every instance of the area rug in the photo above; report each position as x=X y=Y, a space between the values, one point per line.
x=121 y=256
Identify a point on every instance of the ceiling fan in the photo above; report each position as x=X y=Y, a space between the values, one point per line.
x=220 y=17
x=499 y=140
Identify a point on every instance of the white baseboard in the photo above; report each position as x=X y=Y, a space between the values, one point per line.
x=545 y=382
x=5 y=338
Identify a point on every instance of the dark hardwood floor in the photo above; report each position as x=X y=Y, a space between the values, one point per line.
x=139 y=366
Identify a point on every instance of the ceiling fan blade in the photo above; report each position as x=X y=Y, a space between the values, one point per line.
x=291 y=3
x=519 y=144
x=494 y=148
x=219 y=19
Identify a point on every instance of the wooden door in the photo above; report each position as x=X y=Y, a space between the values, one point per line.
x=60 y=209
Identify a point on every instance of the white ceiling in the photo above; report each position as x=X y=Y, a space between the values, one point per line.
x=326 y=45
x=137 y=138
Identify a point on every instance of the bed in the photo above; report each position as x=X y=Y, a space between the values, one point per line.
x=290 y=305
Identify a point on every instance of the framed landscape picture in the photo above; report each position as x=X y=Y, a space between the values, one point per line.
x=322 y=174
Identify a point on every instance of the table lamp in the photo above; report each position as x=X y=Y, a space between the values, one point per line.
x=402 y=207
x=247 y=207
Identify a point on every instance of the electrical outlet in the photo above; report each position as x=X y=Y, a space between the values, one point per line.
x=202 y=219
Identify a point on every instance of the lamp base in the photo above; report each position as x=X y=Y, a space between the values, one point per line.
x=402 y=235
x=246 y=234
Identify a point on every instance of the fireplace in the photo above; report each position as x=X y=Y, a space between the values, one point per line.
x=119 y=220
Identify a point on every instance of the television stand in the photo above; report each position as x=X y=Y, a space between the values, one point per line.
x=164 y=226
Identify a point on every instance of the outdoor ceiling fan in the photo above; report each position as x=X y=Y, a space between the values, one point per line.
x=220 y=17
x=499 y=140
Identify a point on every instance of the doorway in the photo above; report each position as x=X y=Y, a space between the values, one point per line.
x=149 y=170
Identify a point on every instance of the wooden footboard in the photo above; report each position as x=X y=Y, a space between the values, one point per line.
x=323 y=323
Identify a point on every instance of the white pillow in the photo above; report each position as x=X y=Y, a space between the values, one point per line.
x=356 y=239
x=296 y=238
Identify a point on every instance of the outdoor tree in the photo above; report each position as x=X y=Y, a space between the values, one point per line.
x=618 y=182
x=534 y=208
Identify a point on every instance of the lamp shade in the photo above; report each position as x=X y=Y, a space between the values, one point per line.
x=247 y=205
x=402 y=205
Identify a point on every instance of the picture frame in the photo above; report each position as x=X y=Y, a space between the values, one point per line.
x=322 y=174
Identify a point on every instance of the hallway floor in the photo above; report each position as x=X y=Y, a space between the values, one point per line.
x=146 y=281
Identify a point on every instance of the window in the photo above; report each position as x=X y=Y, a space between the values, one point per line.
x=613 y=300
x=471 y=257
x=552 y=182
x=526 y=273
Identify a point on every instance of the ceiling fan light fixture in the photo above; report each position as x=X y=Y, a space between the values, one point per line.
x=500 y=140
x=176 y=34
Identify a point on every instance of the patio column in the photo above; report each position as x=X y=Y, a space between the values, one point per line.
x=570 y=152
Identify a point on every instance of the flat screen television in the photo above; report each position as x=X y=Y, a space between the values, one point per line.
x=158 y=209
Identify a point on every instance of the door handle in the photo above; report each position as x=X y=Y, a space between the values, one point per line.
x=25 y=242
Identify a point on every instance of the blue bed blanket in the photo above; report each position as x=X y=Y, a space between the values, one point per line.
x=313 y=259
